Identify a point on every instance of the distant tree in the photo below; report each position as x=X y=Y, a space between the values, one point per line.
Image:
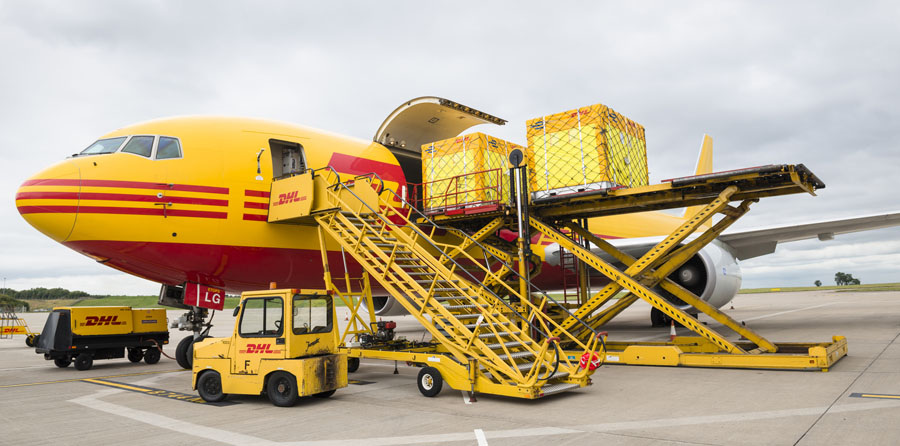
x=11 y=302
x=845 y=279
x=818 y=283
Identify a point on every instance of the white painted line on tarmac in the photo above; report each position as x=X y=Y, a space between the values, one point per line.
x=479 y=435
x=465 y=396
x=789 y=311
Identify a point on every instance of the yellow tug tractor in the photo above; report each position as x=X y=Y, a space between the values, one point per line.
x=284 y=344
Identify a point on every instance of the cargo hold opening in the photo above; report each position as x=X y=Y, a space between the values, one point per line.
x=424 y=120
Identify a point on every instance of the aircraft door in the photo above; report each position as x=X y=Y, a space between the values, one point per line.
x=260 y=334
x=288 y=158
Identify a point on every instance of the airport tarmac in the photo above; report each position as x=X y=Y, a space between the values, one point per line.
x=143 y=404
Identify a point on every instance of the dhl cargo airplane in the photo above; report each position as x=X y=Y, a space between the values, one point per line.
x=185 y=200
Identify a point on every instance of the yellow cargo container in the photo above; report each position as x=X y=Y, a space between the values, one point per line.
x=585 y=149
x=465 y=171
x=93 y=321
x=148 y=320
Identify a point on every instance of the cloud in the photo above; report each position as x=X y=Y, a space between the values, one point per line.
x=783 y=82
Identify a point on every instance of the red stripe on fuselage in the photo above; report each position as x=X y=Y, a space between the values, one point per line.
x=120 y=211
x=118 y=197
x=256 y=193
x=355 y=165
x=255 y=205
x=256 y=217
x=127 y=185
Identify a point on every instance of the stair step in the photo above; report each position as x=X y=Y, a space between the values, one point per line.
x=551 y=389
x=443 y=290
x=493 y=335
x=508 y=344
x=446 y=298
x=418 y=274
x=516 y=355
x=385 y=245
x=439 y=280
x=460 y=307
x=499 y=324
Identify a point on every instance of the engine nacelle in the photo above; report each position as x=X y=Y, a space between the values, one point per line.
x=713 y=274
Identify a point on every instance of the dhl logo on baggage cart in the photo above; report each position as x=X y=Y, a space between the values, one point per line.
x=92 y=321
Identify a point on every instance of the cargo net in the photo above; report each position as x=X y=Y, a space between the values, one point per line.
x=465 y=172
x=586 y=149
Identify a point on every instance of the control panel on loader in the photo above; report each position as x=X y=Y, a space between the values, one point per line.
x=284 y=345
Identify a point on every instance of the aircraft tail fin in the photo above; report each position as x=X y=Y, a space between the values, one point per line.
x=704 y=166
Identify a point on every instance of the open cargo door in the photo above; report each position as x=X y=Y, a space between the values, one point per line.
x=421 y=121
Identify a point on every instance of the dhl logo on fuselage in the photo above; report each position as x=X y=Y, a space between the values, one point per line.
x=91 y=321
x=259 y=348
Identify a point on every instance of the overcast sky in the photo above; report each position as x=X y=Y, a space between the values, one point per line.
x=783 y=82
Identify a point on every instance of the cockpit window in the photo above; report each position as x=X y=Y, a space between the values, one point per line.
x=168 y=148
x=139 y=145
x=108 y=145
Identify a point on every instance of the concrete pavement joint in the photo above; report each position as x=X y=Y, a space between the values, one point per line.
x=859 y=375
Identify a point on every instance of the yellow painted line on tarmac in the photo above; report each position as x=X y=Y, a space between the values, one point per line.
x=875 y=395
x=115 y=384
x=86 y=379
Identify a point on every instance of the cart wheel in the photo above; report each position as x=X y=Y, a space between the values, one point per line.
x=29 y=340
x=430 y=381
x=151 y=356
x=62 y=362
x=282 y=389
x=84 y=361
x=184 y=352
x=135 y=355
x=325 y=394
x=210 y=387
x=352 y=364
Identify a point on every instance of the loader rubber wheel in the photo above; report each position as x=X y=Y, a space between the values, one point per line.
x=352 y=365
x=62 y=362
x=430 y=381
x=184 y=352
x=210 y=387
x=84 y=361
x=30 y=340
x=325 y=394
x=135 y=355
x=282 y=389
x=151 y=356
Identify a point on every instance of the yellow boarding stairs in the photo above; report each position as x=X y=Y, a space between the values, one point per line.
x=482 y=342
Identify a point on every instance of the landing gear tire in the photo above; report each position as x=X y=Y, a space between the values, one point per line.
x=184 y=352
x=658 y=318
x=209 y=386
x=62 y=362
x=151 y=356
x=325 y=394
x=430 y=381
x=282 y=389
x=135 y=355
x=84 y=361
x=352 y=364
x=30 y=340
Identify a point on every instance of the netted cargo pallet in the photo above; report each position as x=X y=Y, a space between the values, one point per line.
x=585 y=149
x=465 y=171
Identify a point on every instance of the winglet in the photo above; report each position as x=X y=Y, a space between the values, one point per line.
x=704 y=166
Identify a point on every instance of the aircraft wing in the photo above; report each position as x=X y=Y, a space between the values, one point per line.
x=757 y=242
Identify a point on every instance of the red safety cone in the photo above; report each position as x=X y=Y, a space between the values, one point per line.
x=672 y=332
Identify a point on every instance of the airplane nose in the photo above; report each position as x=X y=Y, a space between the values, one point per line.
x=49 y=200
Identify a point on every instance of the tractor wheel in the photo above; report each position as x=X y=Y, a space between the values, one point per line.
x=84 y=361
x=430 y=381
x=210 y=387
x=282 y=389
